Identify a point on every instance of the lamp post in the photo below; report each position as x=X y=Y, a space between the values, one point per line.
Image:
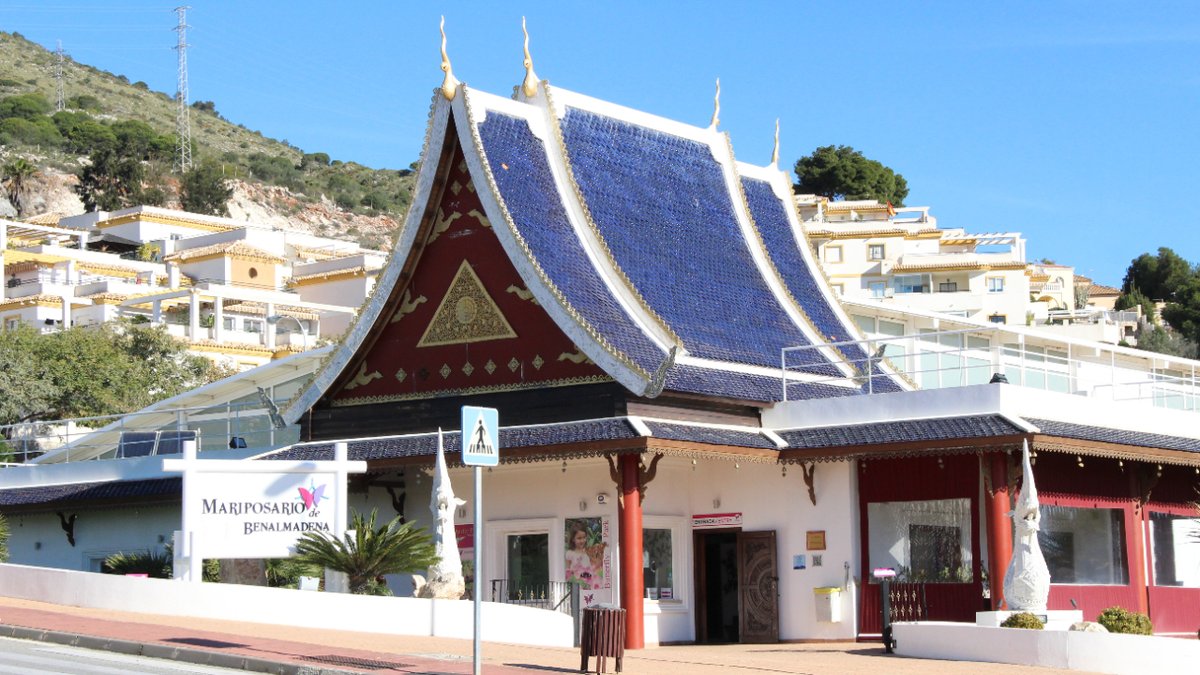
x=276 y=318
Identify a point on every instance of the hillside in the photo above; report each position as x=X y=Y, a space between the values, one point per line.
x=273 y=181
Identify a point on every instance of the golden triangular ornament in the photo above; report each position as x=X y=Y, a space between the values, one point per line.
x=466 y=314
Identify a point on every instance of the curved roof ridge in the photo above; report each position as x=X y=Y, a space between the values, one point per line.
x=373 y=306
x=598 y=244
x=770 y=271
x=611 y=359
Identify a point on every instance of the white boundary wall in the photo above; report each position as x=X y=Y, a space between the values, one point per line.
x=284 y=607
x=1075 y=650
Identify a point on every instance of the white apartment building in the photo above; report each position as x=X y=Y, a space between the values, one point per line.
x=233 y=291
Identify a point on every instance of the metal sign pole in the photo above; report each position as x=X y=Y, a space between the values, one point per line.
x=479 y=576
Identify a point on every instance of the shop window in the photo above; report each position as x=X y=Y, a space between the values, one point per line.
x=1084 y=546
x=664 y=574
x=924 y=541
x=1175 y=546
x=528 y=557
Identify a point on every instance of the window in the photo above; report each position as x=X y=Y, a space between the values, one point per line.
x=528 y=558
x=878 y=288
x=833 y=254
x=838 y=289
x=995 y=284
x=663 y=571
x=228 y=322
x=252 y=325
x=12 y=323
x=875 y=252
x=927 y=541
x=1175 y=545
x=948 y=287
x=911 y=283
x=998 y=318
x=1084 y=546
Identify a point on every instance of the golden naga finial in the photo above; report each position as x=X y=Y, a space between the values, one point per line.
x=716 y=107
x=529 y=86
x=450 y=83
x=775 y=153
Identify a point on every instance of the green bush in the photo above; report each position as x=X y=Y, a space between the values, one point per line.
x=1023 y=620
x=1121 y=620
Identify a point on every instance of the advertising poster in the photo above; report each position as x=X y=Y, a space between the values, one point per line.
x=588 y=558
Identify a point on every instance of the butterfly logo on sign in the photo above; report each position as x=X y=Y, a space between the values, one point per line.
x=312 y=497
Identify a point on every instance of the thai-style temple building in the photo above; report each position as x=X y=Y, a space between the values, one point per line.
x=676 y=380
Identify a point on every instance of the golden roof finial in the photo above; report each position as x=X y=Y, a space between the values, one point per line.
x=529 y=86
x=450 y=83
x=716 y=107
x=775 y=153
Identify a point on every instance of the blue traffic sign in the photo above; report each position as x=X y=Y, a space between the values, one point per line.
x=480 y=436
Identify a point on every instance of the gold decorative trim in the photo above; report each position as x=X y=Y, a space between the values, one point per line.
x=522 y=293
x=595 y=229
x=470 y=391
x=449 y=83
x=529 y=86
x=477 y=215
x=577 y=358
x=441 y=224
x=362 y=378
x=407 y=305
x=466 y=314
x=524 y=246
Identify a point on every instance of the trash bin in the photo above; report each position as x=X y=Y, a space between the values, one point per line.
x=603 y=635
x=828 y=601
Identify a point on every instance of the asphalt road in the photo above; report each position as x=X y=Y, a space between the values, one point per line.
x=25 y=657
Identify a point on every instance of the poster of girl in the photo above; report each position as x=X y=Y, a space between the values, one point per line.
x=585 y=551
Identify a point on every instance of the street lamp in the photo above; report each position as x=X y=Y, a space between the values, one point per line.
x=276 y=318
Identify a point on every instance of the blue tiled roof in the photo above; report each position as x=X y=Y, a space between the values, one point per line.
x=425 y=445
x=1106 y=435
x=900 y=431
x=688 y=432
x=90 y=492
x=784 y=249
x=698 y=380
x=519 y=164
x=661 y=203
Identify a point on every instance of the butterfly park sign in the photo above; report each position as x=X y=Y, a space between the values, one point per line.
x=256 y=509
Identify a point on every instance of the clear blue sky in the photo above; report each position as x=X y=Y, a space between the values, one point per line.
x=1072 y=122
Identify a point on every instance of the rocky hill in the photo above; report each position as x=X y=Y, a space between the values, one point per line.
x=274 y=182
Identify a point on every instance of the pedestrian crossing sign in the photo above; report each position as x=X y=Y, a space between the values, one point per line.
x=480 y=436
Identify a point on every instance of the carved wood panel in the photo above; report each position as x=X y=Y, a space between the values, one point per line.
x=758 y=587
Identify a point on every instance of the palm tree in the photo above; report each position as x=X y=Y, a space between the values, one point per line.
x=157 y=565
x=16 y=175
x=369 y=552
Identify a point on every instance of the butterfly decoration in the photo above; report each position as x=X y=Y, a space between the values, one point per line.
x=312 y=496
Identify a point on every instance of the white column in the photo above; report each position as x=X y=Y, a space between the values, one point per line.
x=218 y=319
x=66 y=312
x=72 y=273
x=172 y=275
x=194 y=317
x=156 y=312
x=268 y=327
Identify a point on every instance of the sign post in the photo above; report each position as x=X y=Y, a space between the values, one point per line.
x=480 y=438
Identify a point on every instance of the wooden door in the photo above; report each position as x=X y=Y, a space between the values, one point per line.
x=758 y=586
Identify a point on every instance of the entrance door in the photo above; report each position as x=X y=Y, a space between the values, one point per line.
x=759 y=587
x=528 y=566
x=736 y=587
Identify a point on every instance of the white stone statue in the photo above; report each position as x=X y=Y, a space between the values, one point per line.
x=445 y=578
x=1027 y=581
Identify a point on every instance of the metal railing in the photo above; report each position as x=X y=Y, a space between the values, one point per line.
x=556 y=596
x=955 y=358
x=248 y=424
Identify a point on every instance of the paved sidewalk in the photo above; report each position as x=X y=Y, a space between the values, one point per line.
x=288 y=650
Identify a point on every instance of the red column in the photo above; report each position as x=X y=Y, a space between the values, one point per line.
x=1135 y=529
x=1000 y=543
x=632 y=581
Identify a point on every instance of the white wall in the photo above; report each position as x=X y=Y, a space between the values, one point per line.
x=38 y=538
x=398 y=616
